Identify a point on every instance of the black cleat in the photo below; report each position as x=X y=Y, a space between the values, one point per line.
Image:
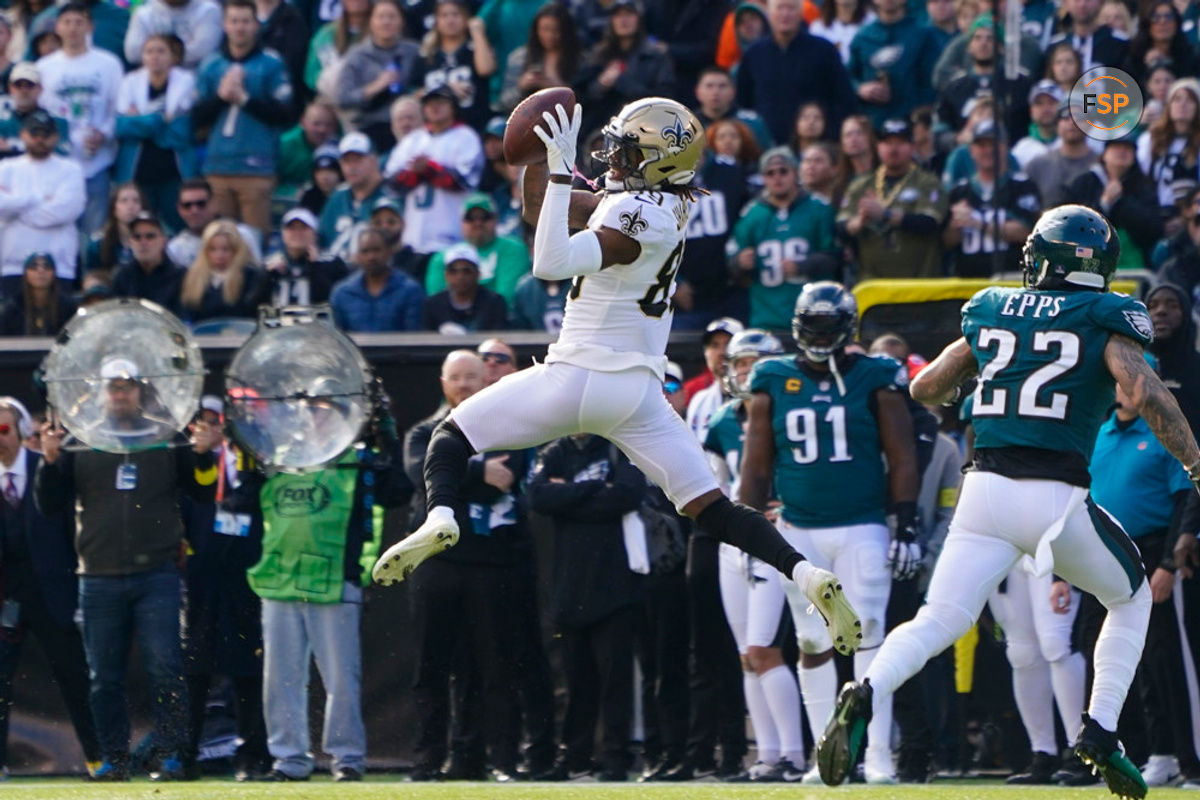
x=842 y=741
x=1041 y=771
x=1103 y=752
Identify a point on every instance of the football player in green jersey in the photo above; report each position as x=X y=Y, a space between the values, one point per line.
x=751 y=592
x=1048 y=357
x=819 y=424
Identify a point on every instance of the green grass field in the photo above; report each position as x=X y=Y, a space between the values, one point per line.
x=388 y=787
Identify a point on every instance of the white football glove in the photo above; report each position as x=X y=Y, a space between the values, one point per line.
x=904 y=559
x=560 y=137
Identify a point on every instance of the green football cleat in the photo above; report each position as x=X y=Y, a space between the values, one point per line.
x=1103 y=752
x=838 y=750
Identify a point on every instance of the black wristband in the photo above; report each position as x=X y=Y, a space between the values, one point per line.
x=906 y=516
x=562 y=179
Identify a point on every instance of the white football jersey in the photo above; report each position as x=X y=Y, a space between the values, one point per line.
x=619 y=318
x=433 y=215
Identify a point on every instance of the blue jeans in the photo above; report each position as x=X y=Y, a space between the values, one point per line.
x=117 y=610
x=293 y=635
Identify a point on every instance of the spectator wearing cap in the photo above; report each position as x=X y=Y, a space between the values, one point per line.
x=438 y=165
x=1054 y=170
x=152 y=275
x=375 y=72
x=154 y=127
x=464 y=305
x=715 y=339
x=992 y=213
x=80 y=84
x=783 y=241
x=40 y=591
x=623 y=66
x=24 y=90
x=1098 y=45
x=325 y=177
x=388 y=217
x=299 y=276
x=1118 y=189
x=129 y=537
x=766 y=80
x=352 y=202
x=376 y=297
x=196 y=208
x=716 y=97
x=197 y=23
x=41 y=199
x=1168 y=152
x=503 y=260
x=893 y=214
x=979 y=80
x=244 y=98
x=41 y=305
x=891 y=63
x=318 y=127
x=499 y=180
x=456 y=53
x=1045 y=99
x=549 y=57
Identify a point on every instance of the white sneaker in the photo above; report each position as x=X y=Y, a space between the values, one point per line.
x=878 y=777
x=439 y=532
x=812 y=777
x=824 y=590
x=1160 y=770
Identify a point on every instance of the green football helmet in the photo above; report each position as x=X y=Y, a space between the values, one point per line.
x=1071 y=247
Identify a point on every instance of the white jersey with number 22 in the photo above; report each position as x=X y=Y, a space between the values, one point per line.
x=620 y=318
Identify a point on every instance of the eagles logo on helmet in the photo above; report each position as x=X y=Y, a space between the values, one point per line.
x=825 y=319
x=750 y=342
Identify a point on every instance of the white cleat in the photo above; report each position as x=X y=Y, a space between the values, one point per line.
x=878 y=777
x=812 y=777
x=438 y=533
x=824 y=590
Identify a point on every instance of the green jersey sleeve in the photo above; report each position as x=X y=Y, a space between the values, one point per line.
x=1122 y=314
x=768 y=373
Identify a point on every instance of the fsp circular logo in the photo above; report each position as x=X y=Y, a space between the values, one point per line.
x=1106 y=103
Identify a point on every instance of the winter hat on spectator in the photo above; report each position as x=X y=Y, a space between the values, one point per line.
x=38 y=255
x=461 y=252
x=25 y=71
x=783 y=154
x=984 y=20
x=1048 y=88
x=356 y=142
x=39 y=120
x=1190 y=84
x=302 y=214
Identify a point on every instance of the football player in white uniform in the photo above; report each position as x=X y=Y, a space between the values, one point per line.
x=604 y=374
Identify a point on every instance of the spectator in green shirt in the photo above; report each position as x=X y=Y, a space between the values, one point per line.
x=298 y=145
x=503 y=260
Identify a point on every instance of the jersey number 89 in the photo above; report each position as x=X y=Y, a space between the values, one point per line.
x=993 y=401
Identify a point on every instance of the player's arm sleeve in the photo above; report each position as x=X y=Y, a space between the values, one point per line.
x=1123 y=315
x=557 y=254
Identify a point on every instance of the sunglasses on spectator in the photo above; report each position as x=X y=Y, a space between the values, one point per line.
x=479 y=217
x=190 y=204
x=496 y=358
x=40 y=263
x=671 y=386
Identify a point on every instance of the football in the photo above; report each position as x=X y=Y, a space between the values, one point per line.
x=521 y=144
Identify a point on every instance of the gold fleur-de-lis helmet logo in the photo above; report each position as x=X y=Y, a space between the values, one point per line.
x=676 y=136
x=632 y=223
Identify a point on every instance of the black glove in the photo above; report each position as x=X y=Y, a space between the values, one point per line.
x=904 y=554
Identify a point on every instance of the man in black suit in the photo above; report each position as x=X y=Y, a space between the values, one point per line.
x=37 y=573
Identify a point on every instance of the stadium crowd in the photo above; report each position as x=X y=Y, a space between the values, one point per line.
x=213 y=157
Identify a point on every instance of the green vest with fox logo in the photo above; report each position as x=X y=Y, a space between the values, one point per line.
x=305 y=520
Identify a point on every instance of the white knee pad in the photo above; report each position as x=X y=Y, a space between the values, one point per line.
x=1022 y=654
x=1054 y=648
x=942 y=624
